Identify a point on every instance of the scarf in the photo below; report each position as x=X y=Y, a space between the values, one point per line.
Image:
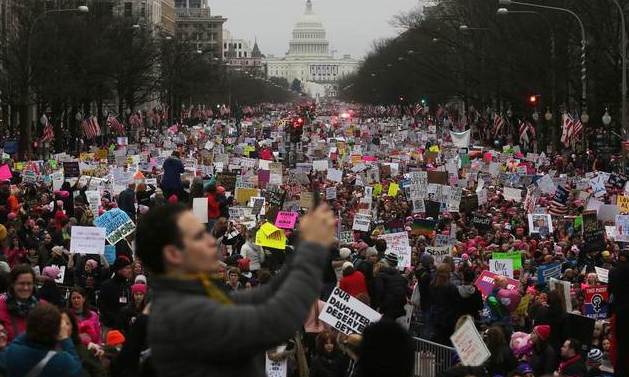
x=211 y=290
x=20 y=308
x=566 y=363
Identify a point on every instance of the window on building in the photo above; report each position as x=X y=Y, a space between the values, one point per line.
x=239 y=46
x=245 y=54
x=225 y=45
x=128 y=9
x=239 y=54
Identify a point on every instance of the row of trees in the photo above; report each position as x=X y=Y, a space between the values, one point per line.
x=498 y=61
x=71 y=63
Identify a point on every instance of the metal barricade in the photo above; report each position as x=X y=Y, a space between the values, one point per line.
x=432 y=358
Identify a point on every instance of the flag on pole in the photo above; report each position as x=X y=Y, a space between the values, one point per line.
x=499 y=122
x=567 y=129
x=114 y=124
x=90 y=127
x=527 y=132
x=48 y=133
x=577 y=127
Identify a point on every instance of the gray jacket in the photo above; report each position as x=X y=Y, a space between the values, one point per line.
x=192 y=335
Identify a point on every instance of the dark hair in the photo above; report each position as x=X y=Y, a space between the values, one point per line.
x=381 y=245
x=18 y=270
x=468 y=275
x=42 y=324
x=211 y=188
x=322 y=339
x=386 y=350
x=348 y=270
x=157 y=229
x=75 y=325
x=86 y=305
x=575 y=344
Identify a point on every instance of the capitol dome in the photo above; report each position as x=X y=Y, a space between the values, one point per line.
x=309 y=37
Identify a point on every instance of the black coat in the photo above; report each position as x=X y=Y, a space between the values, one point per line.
x=115 y=294
x=328 y=365
x=390 y=289
x=543 y=360
x=470 y=301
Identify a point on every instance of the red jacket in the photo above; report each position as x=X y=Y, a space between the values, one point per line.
x=11 y=321
x=213 y=208
x=354 y=284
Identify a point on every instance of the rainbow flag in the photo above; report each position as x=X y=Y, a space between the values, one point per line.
x=423 y=227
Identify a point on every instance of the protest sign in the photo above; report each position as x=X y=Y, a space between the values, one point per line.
x=481 y=222
x=602 y=274
x=71 y=169
x=277 y=368
x=398 y=244
x=438 y=252
x=469 y=345
x=87 y=240
x=622 y=228
x=271 y=236
x=515 y=256
x=335 y=175
x=563 y=287
x=306 y=199
x=227 y=180
x=256 y=203
x=547 y=271
x=320 y=165
x=346 y=237
x=93 y=199
x=596 y=302
x=607 y=213
x=361 y=222
x=286 y=220
x=243 y=195
x=514 y=194
x=442 y=240
x=330 y=193
x=110 y=254
x=347 y=314
x=598 y=186
x=486 y=283
x=117 y=225
x=200 y=208
x=622 y=202
x=502 y=267
x=593 y=234
x=540 y=223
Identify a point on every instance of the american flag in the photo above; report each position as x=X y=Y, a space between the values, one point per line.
x=114 y=124
x=48 y=134
x=90 y=127
x=567 y=129
x=499 y=122
x=135 y=120
x=527 y=132
x=577 y=128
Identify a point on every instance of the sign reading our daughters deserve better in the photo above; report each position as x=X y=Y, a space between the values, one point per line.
x=347 y=314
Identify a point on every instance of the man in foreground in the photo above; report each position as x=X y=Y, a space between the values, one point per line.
x=196 y=329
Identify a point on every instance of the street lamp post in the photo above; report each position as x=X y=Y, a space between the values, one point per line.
x=29 y=70
x=583 y=43
x=623 y=54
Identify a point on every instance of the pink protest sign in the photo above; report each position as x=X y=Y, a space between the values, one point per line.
x=485 y=283
x=286 y=220
x=5 y=173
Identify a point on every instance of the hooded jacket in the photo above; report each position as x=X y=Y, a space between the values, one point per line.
x=193 y=335
x=471 y=301
x=22 y=355
x=390 y=291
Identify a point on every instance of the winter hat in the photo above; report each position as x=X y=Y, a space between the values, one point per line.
x=92 y=263
x=220 y=190
x=525 y=368
x=3 y=232
x=371 y=252
x=173 y=199
x=141 y=279
x=4 y=267
x=605 y=253
x=595 y=355
x=51 y=272
x=465 y=257
x=244 y=264
x=11 y=216
x=138 y=288
x=345 y=253
x=391 y=259
x=427 y=260
x=386 y=350
x=347 y=265
x=542 y=331
x=114 y=338
x=120 y=263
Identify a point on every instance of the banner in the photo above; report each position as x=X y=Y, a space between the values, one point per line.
x=438 y=252
x=547 y=271
x=596 y=302
x=469 y=345
x=117 y=225
x=460 y=139
x=486 y=283
x=347 y=314
x=87 y=240
x=286 y=220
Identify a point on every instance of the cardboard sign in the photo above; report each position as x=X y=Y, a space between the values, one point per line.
x=87 y=240
x=71 y=169
x=199 y=209
x=271 y=236
x=276 y=368
x=361 y=222
x=117 y=225
x=94 y=201
x=347 y=314
x=602 y=274
x=563 y=287
x=469 y=345
x=330 y=193
x=540 y=223
x=398 y=244
x=596 y=302
x=486 y=283
x=286 y=220
x=438 y=252
x=481 y=222
x=622 y=202
x=244 y=194
x=502 y=267
x=335 y=175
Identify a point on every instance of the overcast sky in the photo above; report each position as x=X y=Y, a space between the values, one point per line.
x=351 y=25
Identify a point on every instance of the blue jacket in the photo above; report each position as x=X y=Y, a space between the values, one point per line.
x=173 y=168
x=22 y=355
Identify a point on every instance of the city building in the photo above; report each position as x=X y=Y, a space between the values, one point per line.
x=158 y=15
x=309 y=59
x=195 y=23
x=238 y=53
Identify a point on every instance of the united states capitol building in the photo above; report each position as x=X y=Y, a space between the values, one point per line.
x=309 y=59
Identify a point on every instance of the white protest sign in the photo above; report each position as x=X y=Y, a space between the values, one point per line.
x=199 y=209
x=502 y=267
x=87 y=240
x=320 y=165
x=598 y=186
x=276 y=368
x=547 y=185
x=347 y=314
x=469 y=344
x=335 y=175
x=62 y=273
x=602 y=274
x=361 y=222
x=398 y=244
x=564 y=289
x=93 y=199
x=514 y=194
x=438 y=252
x=330 y=193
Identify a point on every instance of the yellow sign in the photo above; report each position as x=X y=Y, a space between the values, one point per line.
x=243 y=194
x=622 y=202
x=377 y=189
x=248 y=149
x=394 y=188
x=271 y=236
x=434 y=148
x=356 y=159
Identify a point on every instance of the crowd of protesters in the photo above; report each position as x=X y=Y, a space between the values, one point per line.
x=440 y=212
